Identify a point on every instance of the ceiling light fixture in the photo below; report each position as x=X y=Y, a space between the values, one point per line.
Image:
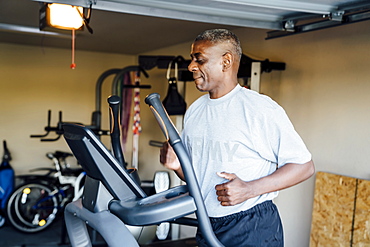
x=66 y=17
x=61 y=16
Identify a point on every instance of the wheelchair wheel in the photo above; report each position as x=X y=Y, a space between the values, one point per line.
x=32 y=207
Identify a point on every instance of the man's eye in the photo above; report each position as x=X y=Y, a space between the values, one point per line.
x=200 y=61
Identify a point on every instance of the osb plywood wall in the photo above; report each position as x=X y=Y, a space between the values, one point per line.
x=361 y=229
x=341 y=212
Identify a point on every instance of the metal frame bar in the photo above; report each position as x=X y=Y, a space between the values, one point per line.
x=347 y=19
x=304 y=7
x=269 y=14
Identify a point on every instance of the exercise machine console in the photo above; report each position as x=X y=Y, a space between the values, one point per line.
x=112 y=199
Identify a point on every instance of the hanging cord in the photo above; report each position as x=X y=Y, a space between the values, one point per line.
x=136 y=128
x=126 y=95
x=86 y=20
x=173 y=78
x=73 y=65
x=137 y=125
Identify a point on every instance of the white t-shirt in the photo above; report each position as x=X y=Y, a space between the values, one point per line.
x=243 y=132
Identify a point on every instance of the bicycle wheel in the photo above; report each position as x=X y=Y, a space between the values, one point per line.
x=32 y=207
x=2 y=220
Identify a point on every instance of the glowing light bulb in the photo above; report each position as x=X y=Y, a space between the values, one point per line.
x=65 y=16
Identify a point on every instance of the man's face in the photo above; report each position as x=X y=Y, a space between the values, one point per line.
x=207 y=65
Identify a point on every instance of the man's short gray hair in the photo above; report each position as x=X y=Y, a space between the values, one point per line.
x=220 y=36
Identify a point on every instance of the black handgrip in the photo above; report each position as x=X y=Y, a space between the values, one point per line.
x=51 y=139
x=171 y=134
x=58 y=129
x=157 y=144
x=46 y=128
x=164 y=121
x=114 y=104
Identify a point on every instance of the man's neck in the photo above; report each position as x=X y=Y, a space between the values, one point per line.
x=223 y=90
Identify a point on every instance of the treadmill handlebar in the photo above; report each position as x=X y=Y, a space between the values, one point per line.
x=164 y=121
x=115 y=132
x=173 y=137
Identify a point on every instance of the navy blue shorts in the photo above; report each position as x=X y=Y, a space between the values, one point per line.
x=258 y=226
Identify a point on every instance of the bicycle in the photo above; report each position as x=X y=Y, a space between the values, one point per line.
x=37 y=202
x=6 y=181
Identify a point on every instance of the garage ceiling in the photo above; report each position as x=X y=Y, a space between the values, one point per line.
x=137 y=26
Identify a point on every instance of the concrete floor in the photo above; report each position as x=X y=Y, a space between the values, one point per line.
x=52 y=236
x=55 y=235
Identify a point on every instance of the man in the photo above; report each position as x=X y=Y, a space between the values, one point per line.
x=242 y=145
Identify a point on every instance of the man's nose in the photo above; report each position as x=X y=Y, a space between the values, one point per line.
x=192 y=66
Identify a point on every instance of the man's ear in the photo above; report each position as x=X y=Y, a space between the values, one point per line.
x=227 y=61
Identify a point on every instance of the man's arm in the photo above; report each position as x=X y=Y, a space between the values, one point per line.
x=169 y=159
x=237 y=191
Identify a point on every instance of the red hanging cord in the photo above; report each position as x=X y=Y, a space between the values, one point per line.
x=73 y=65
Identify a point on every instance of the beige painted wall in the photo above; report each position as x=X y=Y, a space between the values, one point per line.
x=324 y=90
x=36 y=79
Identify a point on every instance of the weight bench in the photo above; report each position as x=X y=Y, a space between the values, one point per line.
x=112 y=199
